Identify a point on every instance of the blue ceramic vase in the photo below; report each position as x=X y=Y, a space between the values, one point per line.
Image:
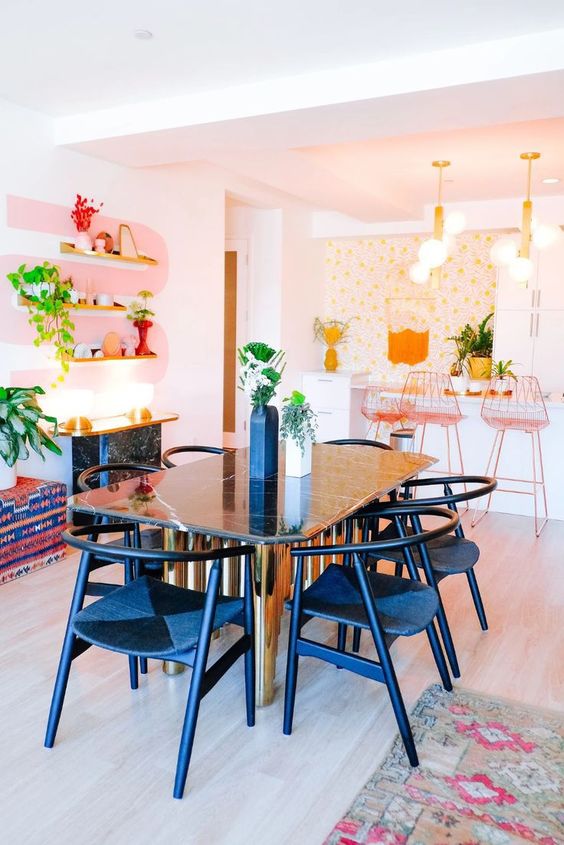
x=264 y=441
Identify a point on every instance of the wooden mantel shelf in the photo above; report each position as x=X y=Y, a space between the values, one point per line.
x=66 y=247
x=111 y=358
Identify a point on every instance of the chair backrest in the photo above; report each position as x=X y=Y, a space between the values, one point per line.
x=177 y=450
x=357 y=442
x=79 y=538
x=450 y=521
x=378 y=408
x=86 y=479
x=514 y=402
x=429 y=397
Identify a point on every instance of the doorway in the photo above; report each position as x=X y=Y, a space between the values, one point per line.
x=235 y=404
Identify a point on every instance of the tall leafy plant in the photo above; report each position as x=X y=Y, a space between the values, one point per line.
x=298 y=420
x=47 y=298
x=20 y=414
x=261 y=371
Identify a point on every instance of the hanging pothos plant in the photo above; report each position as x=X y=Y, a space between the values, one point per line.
x=47 y=298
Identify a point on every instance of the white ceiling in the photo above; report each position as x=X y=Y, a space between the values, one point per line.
x=71 y=56
x=341 y=104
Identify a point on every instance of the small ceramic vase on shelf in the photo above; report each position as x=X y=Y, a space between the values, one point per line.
x=331 y=361
x=83 y=241
x=143 y=327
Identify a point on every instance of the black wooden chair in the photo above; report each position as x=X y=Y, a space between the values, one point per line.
x=180 y=450
x=386 y=605
x=356 y=441
x=150 y=618
x=451 y=554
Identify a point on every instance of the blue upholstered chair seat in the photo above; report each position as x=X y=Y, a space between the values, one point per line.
x=150 y=618
x=404 y=607
x=449 y=554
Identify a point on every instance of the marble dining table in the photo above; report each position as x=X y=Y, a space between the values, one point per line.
x=211 y=502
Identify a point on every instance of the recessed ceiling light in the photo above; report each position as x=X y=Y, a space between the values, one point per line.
x=551 y=180
x=143 y=34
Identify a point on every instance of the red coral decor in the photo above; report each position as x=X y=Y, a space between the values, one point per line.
x=83 y=212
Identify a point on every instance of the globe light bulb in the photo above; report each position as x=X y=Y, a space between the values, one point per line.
x=455 y=223
x=419 y=273
x=547 y=234
x=433 y=253
x=503 y=252
x=521 y=269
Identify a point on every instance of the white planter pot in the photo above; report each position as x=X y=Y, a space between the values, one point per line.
x=8 y=476
x=298 y=465
x=83 y=241
x=460 y=383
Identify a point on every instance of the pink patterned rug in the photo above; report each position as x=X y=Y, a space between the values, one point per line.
x=491 y=771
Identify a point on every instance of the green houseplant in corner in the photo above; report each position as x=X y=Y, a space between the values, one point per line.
x=298 y=429
x=140 y=313
x=48 y=299
x=20 y=414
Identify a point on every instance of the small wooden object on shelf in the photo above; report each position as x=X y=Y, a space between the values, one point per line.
x=106 y=256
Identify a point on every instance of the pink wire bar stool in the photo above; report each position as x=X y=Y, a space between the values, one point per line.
x=379 y=409
x=516 y=404
x=429 y=399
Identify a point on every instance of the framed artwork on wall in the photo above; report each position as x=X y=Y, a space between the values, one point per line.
x=126 y=242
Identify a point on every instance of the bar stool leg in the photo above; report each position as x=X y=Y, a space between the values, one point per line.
x=497 y=444
x=540 y=482
x=449 y=463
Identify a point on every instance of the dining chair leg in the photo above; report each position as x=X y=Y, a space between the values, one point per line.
x=447 y=637
x=386 y=664
x=66 y=658
x=132 y=659
x=250 y=675
x=341 y=636
x=356 y=639
x=195 y=691
x=439 y=657
x=292 y=660
x=477 y=598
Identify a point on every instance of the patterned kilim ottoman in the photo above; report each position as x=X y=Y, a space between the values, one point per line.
x=32 y=518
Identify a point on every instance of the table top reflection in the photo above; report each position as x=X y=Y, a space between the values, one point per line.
x=214 y=494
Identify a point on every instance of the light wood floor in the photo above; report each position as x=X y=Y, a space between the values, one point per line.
x=109 y=777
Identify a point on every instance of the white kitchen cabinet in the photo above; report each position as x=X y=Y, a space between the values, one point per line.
x=513 y=338
x=336 y=402
x=550 y=277
x=512 y=296
x=548 y=350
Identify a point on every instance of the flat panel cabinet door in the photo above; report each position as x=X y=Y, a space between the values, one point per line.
x=548 y=360
x=332 y=424
x=327 y=390
x=509 y=293
x=551 y=277
x=513 y=338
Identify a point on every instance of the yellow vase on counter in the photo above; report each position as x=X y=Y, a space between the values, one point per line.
x=479 y=368
x=331 y=361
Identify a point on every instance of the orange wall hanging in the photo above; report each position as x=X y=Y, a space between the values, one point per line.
x=408 y=347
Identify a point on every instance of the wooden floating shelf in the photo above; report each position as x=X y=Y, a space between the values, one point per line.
x=111 y=358
x=108 y=256
x=80 y=306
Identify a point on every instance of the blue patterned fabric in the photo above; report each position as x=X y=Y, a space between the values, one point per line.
x=150 y=618
x=404 y=607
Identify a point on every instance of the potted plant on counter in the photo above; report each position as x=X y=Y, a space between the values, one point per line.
x=480 y=361
x=503 y=374
x=459 y=369
x=261 y=371
x=298 y=429
x=139 y=314
x=20 y=414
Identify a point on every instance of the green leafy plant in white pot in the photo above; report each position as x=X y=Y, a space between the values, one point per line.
x=20 y=414
x=298 y=428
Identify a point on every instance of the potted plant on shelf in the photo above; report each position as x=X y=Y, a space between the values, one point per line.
x=261 y=371
x=139 y=313
x=503 y=374
x=48 y=298
x=331 y=333
x=298 y=429
x=82 y=215
x=459 y=369
x=19 y=428
x=480 y=361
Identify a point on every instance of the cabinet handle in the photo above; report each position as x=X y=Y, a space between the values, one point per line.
x=531 y=325
x=538 y=298
x=328 y=413
x=330 y=380
x=533 y=298
x=538 y=321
